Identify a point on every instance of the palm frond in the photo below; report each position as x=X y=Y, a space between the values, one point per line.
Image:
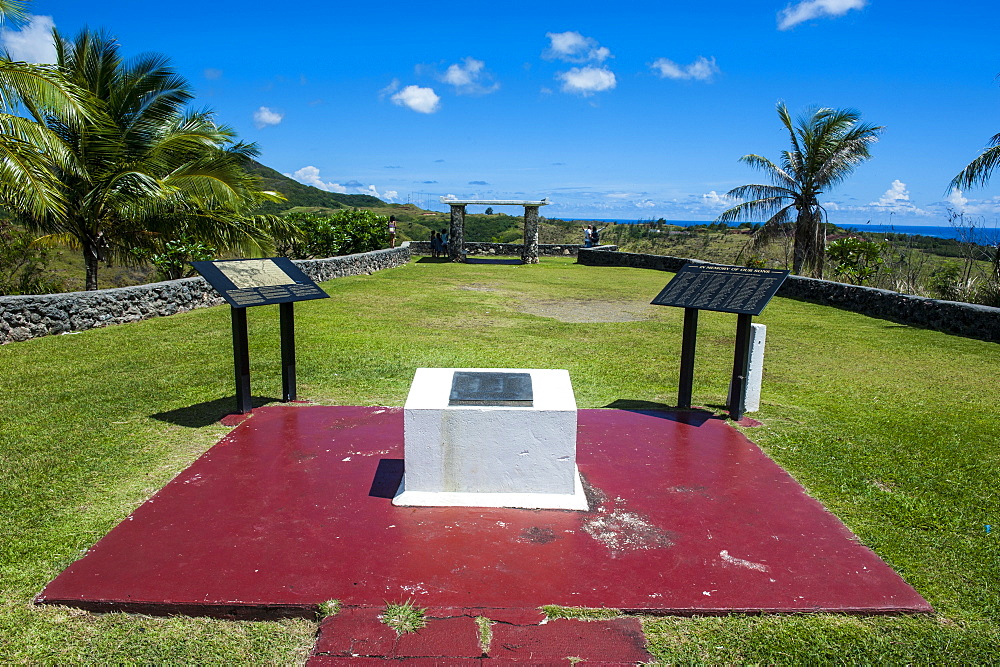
x=977 y=173
x=751 y=210
x=777 y=174
x=40 y=89
x=777 y=226
x=15 y=11
x=57 y=240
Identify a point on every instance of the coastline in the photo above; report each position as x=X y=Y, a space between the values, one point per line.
x=984 y=235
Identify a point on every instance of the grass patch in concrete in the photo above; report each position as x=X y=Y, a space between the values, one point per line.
x=580 y=613
x=404 y=617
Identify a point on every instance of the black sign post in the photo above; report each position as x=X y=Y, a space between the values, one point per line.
x=727 y=289
x=259 y=282
x=687 y=358
x=241 y=359
x=286 y=314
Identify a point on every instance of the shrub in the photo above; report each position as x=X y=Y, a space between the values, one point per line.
x=175 y=260
x=23 y=263
x=946 y=283
x=858 y=260
x=340 y=233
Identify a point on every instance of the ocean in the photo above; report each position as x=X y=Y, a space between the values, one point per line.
x=986 y=235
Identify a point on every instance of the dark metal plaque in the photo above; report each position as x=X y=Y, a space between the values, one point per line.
x=486 y=388
x=259 y=282
x=726 y=289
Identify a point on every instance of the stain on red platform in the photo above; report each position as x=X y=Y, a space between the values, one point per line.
x=293 y=508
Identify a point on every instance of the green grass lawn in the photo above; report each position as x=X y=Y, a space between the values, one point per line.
x=895 y=429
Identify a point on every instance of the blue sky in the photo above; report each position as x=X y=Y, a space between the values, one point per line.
x=638 y=110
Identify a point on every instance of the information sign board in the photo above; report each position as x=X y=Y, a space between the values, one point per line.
x=259 y=282
x=727 y=289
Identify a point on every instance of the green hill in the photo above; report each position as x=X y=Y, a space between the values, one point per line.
x=304 y=195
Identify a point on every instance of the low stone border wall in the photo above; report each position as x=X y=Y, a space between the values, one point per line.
x=32 y=316
x=953 y=317
x=505 y=249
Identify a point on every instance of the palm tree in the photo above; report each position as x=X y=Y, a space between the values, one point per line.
x=27 y=149
x=146 y=169
x=827 y=145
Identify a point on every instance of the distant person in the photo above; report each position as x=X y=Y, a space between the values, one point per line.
x=587 y=240
x=444 y=243
x=435 y=244
x=392 y=231
x=595 y=235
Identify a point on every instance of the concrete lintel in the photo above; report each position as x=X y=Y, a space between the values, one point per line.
x=496 y=202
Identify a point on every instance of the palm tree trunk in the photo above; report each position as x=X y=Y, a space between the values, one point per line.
x=810 y=244
x=91 y=258
x=800 y=256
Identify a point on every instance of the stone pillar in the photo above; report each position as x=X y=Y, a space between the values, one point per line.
x=530 y=253
x=456 y=234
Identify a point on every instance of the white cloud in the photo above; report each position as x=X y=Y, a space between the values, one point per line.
x=586 y=81
x=310 y=176
x=389 y=90
x=958 y=201
x=470 y=77
x=264 y=117
x=422 y=100
x=702 y=69
x=792 y=15
x=32 y=43
x=896 y=197
x=713 y=200
x=572 y=47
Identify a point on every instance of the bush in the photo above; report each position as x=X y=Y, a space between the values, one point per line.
x=341 y=233
x=946 y=283
x=23 y=263
x=175 y=260
x=858 y=260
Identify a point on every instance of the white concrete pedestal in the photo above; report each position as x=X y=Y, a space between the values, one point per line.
x=491 y=456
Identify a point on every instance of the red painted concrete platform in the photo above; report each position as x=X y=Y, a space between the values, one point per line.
x=452 y=636
x=292 y=508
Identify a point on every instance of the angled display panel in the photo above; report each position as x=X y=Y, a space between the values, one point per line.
x=259 y=282
x=726 y=289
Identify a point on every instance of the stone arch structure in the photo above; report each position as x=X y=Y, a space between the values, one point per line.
x=456 y=233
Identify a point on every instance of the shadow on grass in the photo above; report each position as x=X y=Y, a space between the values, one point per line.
x=209 y=412
x=477 y=260
x=468 y=260
x=388 y=476
x=692 y=417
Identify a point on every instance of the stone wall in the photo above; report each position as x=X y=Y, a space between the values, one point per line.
x=505 y=249
x=963 y=319
x=32 y=316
